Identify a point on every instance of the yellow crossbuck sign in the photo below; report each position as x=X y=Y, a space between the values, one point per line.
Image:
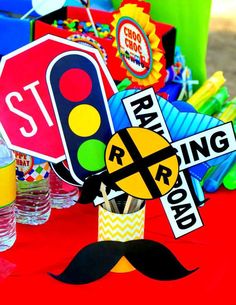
x=145 y=164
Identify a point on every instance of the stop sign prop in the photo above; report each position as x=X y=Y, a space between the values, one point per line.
x=28 y=123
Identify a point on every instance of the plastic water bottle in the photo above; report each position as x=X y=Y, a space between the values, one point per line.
x=63 y=195
x=33 y=205
x=7 y=197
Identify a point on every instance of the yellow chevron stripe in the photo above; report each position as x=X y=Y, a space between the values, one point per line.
x=121 y=227
x=117 y=226
x=129 y=224
x=123 y=232
x=128 y=227
x=138 y=230
x=122 y=221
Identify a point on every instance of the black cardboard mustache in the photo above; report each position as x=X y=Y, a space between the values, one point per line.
x=97 y=259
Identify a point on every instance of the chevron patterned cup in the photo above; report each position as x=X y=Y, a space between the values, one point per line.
x=121 y=227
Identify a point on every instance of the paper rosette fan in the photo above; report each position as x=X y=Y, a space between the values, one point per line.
x=139 y=46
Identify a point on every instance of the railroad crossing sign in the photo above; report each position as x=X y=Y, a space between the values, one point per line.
x=143 y=163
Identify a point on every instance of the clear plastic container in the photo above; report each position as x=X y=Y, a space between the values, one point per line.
x=7 y=198
x=63 y=195
x=33 y=204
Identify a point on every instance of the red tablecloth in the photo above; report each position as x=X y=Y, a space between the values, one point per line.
x=50 y=247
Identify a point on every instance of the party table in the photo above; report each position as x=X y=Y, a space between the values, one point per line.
x=50 y=247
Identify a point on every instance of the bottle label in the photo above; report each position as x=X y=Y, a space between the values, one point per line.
x=7 y=184
x=28 y=169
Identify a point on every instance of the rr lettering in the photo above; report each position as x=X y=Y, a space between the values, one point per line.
x=118 y=153
x=163 y=172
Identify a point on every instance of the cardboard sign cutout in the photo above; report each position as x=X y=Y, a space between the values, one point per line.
x=80 y=105
x=141 y=163
x=28 y=122
x=181 y=122
x=148 y=257
x=143 y=109
x=138 y=45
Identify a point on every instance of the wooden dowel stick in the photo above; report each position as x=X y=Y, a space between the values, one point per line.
x=106 y=204
x=114 y=206
x=138 y=205
x=127 y=204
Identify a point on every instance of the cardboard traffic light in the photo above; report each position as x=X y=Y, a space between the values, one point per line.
x=79 y=100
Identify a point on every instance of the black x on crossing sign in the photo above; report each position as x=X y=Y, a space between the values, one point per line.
x=142 y=163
